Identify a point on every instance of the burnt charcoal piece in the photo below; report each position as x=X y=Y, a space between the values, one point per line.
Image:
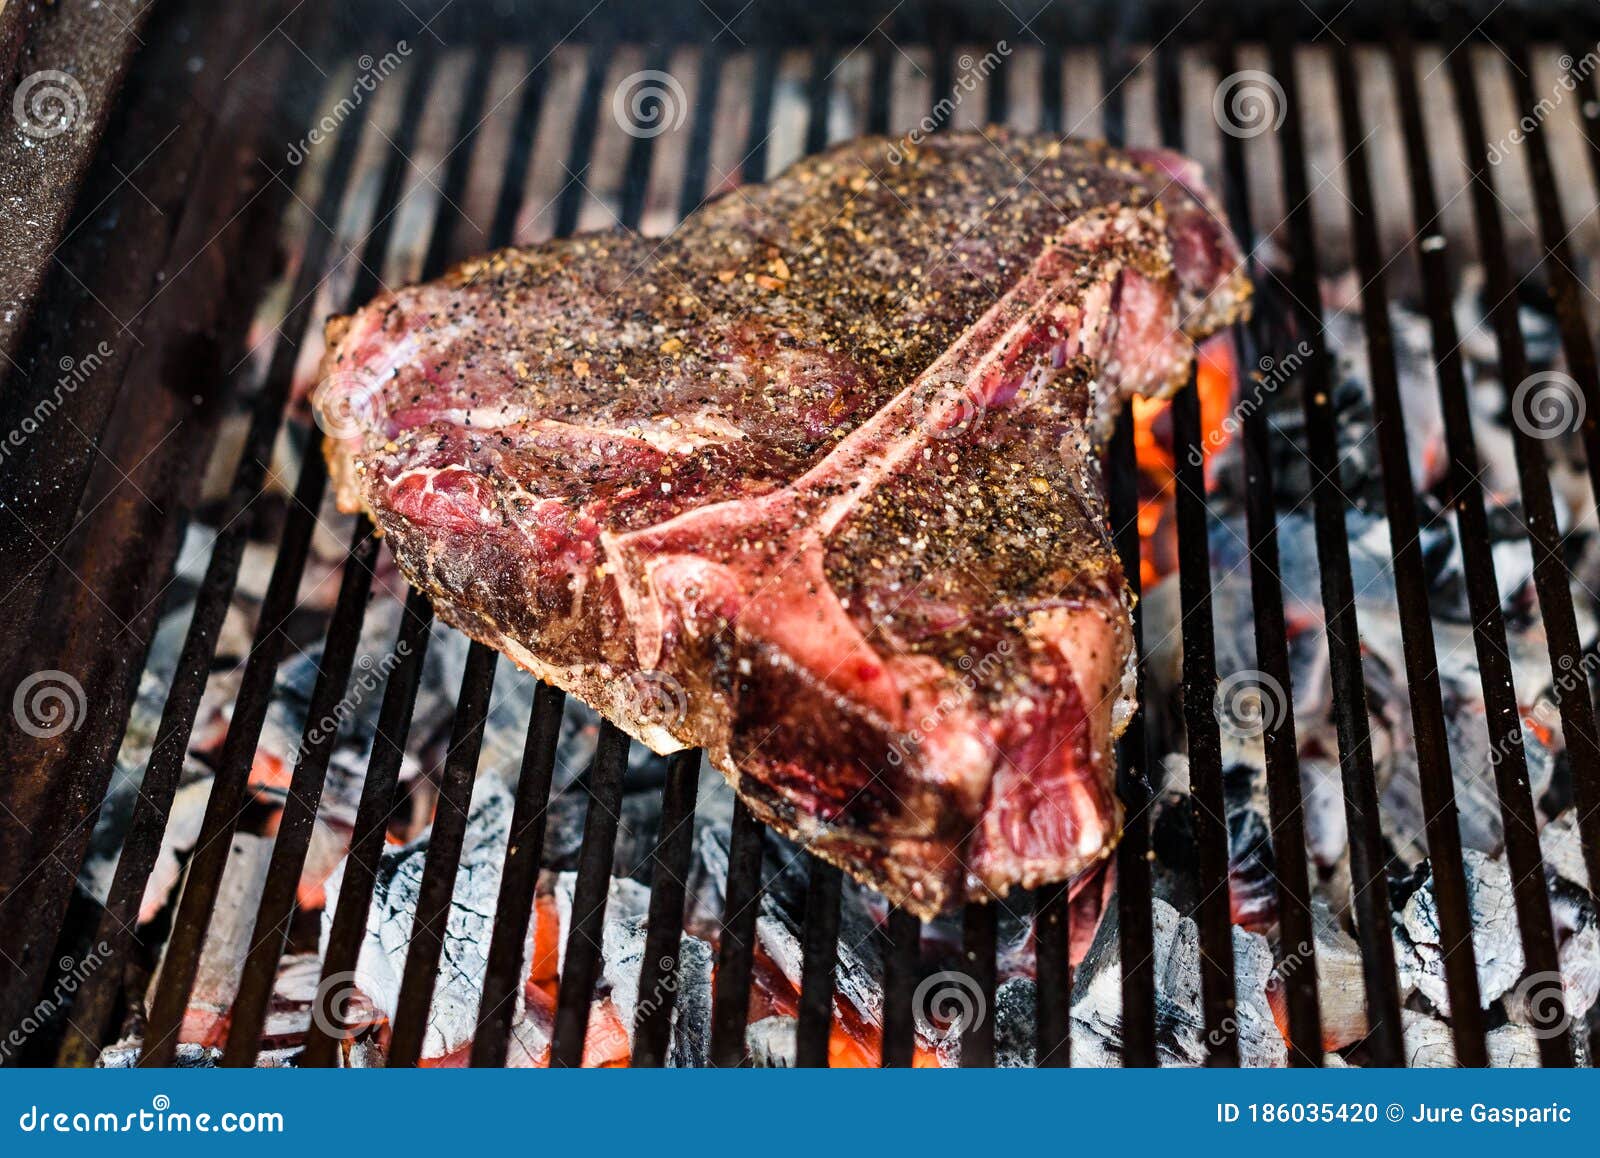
x=812 y=483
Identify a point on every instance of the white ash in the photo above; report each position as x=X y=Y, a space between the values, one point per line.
x=1180 y=1028
x=452 y=1016
x=227 y=940
x=1562 y=848
x=1429 y=1044
x=1015 y=1014
x=622 y=959
x=1495 y=940
x=773 y=1042
x=1341 y=985
x=124 y=1055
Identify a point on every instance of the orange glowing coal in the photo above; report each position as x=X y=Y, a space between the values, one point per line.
x=1152 y=444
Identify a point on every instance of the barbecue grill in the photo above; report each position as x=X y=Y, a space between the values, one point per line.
x=152 y=230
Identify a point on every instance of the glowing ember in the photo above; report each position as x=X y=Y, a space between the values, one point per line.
x=1152 y=443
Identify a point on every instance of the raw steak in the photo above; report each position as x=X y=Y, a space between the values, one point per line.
x=812 y=483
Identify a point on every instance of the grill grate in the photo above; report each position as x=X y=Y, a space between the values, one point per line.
x=764 y=68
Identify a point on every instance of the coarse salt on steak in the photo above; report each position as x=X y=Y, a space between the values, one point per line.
x=812 y=483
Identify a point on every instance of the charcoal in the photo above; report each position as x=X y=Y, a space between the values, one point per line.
x=453 y=1014
x=1341 y=984
x=1419 y=938
x=1180 y=1030
x=1429 y=1043
x=1015 y=1042
x=622 y=953
x=772 y=1042
x=1562 y=847
x=227 y=941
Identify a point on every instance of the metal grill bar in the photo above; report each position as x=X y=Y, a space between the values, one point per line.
x=519 y=879
x=582 y=967
x=1411 y=588
x=980 y=928
x=142 y=844
x=1338 y=594
x=1052 y=942
x=1280 y=745
x=658 y=973
x=276 y=908
x=1578 y=343
x=1565 y=291
x=820 y=958
x=1550 y=578
x=349 y=925
x=445 y=842
x=1134 y=755
x=1208 y=807
x=899 y=978
x=1483 y=596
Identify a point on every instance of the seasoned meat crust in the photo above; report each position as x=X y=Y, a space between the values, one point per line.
x=812 y=483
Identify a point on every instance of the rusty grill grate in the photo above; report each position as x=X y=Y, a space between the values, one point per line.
x=1113 y=64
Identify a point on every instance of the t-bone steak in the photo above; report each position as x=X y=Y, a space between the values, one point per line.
x=813 y=482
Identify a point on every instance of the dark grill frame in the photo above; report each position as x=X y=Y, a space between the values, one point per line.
x=36 y=928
